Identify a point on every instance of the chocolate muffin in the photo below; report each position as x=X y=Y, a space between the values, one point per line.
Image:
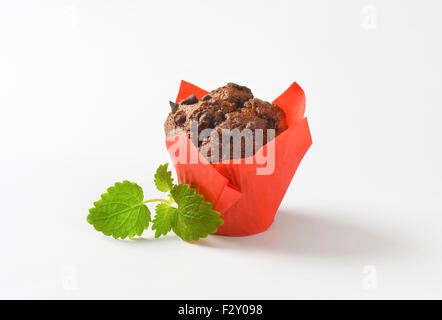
x=227 y=123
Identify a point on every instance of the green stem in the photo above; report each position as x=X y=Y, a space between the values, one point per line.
x=170 y=201
x=156 y=200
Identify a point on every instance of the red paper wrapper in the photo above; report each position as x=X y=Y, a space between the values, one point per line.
x=246 y=198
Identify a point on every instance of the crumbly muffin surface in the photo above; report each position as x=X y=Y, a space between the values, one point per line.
x=227 y=108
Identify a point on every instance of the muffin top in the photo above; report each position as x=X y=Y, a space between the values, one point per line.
x=226 y=108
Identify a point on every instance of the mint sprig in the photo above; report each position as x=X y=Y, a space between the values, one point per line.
x=122 y=211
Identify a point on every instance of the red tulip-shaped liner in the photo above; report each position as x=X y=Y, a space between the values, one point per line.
x=247 y=194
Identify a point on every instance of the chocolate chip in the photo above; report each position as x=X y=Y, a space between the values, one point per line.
x=219 y=117
x=205 y=120
x=189 y=100
x=179 y=118
x=206 y=97
x=173 y=106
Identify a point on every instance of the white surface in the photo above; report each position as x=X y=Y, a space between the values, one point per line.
x=84 y=87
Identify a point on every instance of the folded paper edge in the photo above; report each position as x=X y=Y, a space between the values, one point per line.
x=186 y=89
x=228 y=197
x=294 y=91
x=229 y=194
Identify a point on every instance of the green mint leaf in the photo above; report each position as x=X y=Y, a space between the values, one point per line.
x=164 y=219
x=195 y=218
x=179 y=191
x=163 y=178
x=121 y=212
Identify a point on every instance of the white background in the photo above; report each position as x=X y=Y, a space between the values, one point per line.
x=84 y=90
